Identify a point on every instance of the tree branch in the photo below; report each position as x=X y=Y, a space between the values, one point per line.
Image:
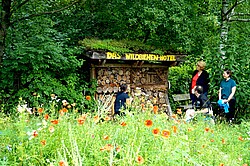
x=230 y=10
x=241 y=14
x=239 y=20
x=44 y=13
x=240 y=2
x=19 y=6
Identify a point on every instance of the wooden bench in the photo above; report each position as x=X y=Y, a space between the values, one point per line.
x=184 y=100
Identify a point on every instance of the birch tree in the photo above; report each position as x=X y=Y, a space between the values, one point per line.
x=232 y=11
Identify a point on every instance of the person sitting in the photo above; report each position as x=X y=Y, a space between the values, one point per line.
x=202 y=105
x=121 y=100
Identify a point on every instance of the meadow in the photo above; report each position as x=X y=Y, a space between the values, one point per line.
x=62 y=136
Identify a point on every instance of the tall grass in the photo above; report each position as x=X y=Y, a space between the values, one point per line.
x=93 y=139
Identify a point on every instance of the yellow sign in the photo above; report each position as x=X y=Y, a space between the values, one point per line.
x=146 y=57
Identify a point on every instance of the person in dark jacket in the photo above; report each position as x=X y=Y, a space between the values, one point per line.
x=203 y=106
x=200 y=77
x=203 y=103
x=121 y=100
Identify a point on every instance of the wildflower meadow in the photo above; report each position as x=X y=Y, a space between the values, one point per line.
x=62 y=136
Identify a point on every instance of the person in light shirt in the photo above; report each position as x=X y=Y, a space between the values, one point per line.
x=227 y=93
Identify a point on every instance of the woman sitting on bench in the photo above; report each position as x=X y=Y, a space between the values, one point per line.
x=202 y=105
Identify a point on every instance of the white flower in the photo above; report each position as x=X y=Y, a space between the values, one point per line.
x=30 y=138
x=53 y=97
x=9 y=147
x=29 y=110
x=64 y=101
x=20 y=109
x=44 y=122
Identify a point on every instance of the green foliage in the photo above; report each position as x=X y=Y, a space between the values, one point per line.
x=179 y=79
x=38 y=61
x=121 y=46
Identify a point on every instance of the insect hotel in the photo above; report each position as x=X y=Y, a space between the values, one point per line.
x=146 y=76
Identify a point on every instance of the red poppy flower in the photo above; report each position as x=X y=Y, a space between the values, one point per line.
x=46 y=116
x=106 y=137
x=148 y=123
x=35 y=133
x=155 y=109
x=179 y=111
x=174 y=129
x=43 y=142
x=107 y=118
x=88 y=98
x=123 y=124
x=80 y=121
x=118 y=149
x=140 y=160
x=40 y=110
x=96 y=119
x=108 y=147
x=156 y=131
x=165 y=133
x=240 y=138
x=174 y=116
x=55 y=121
x=61 y=112
x=207 y=129
x=64 y=110
x=62 y=163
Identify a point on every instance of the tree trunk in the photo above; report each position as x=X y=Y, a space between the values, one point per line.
x=2 y=45
x=224 y=29
x=4 y=25
x=228 y=15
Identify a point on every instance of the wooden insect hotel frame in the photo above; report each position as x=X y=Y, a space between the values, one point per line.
x=145 y=74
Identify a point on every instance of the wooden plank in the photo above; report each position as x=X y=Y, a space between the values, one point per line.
x=107 y=65
x=134 y=56
x=188 y=106
x=181 y=97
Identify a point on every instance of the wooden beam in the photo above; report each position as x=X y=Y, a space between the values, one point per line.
x=131 y=65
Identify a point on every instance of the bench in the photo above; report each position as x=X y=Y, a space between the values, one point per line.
x=184 y=100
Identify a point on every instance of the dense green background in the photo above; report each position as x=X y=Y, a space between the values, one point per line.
x=41 y=43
